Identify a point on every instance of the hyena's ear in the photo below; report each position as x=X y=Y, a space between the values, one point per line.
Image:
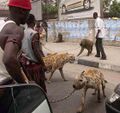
x=82 y=72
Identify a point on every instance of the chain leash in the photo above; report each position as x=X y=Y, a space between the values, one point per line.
x=62 y=99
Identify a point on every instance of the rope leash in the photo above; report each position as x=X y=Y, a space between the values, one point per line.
x=62 y=99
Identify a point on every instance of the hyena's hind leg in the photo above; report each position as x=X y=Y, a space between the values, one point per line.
x=103 y=88
x=62 y=74
x=94 y=93
x=49 y=79
x=103 y=82
x=98 y=95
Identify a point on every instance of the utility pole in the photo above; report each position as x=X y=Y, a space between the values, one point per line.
x=46 y=12
x=101 y=8
x=37 y=9
x=58 y=4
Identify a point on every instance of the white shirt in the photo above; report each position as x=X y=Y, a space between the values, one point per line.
x=99 y=25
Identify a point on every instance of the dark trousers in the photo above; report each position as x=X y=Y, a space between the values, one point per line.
x=33 y=71
x=99 y=48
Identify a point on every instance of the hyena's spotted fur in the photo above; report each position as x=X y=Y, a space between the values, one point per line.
x=56 y=61
x=90 y=78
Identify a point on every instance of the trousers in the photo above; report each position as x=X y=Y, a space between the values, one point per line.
x=99 y=48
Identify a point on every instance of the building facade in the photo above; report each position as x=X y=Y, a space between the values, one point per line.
x=36 y=9
x=3 y=8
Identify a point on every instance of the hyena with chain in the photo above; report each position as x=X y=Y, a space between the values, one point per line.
x=89 y=78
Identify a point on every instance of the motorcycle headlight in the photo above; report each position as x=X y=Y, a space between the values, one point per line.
x=114 y=97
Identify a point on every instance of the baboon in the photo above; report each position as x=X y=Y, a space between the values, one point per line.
x=86 y=44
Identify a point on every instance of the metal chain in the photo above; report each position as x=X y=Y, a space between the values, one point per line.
x=62 y=99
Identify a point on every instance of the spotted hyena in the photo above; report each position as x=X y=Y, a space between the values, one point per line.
x=89 y=78
x=57 y=61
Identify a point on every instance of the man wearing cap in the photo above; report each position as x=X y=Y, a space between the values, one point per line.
x=11 y=35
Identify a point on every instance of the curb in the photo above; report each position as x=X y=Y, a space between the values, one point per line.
x=99 y=65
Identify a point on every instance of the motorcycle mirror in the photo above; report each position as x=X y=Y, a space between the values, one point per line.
x=23 y=98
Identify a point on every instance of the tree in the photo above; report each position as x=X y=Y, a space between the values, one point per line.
x=111 y=8
x=49 y=10
x=115 y=9
x=106 y=5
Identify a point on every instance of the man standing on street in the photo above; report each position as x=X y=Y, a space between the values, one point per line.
x=11 y=35
x=100 y=34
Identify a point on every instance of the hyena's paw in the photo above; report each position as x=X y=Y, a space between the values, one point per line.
x=80 y=110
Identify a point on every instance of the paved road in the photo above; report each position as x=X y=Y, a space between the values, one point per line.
x=112 y=62
x=58 y=89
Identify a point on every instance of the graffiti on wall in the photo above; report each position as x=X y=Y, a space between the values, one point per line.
x=81 y=29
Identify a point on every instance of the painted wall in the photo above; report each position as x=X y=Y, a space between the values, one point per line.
x=76 y=29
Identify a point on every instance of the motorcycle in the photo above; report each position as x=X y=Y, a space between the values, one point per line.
x=23 y=98
x=112 y=104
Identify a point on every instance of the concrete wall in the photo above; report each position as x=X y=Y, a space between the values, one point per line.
x=75 y=30
x=37 y=9
x=4 y=8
